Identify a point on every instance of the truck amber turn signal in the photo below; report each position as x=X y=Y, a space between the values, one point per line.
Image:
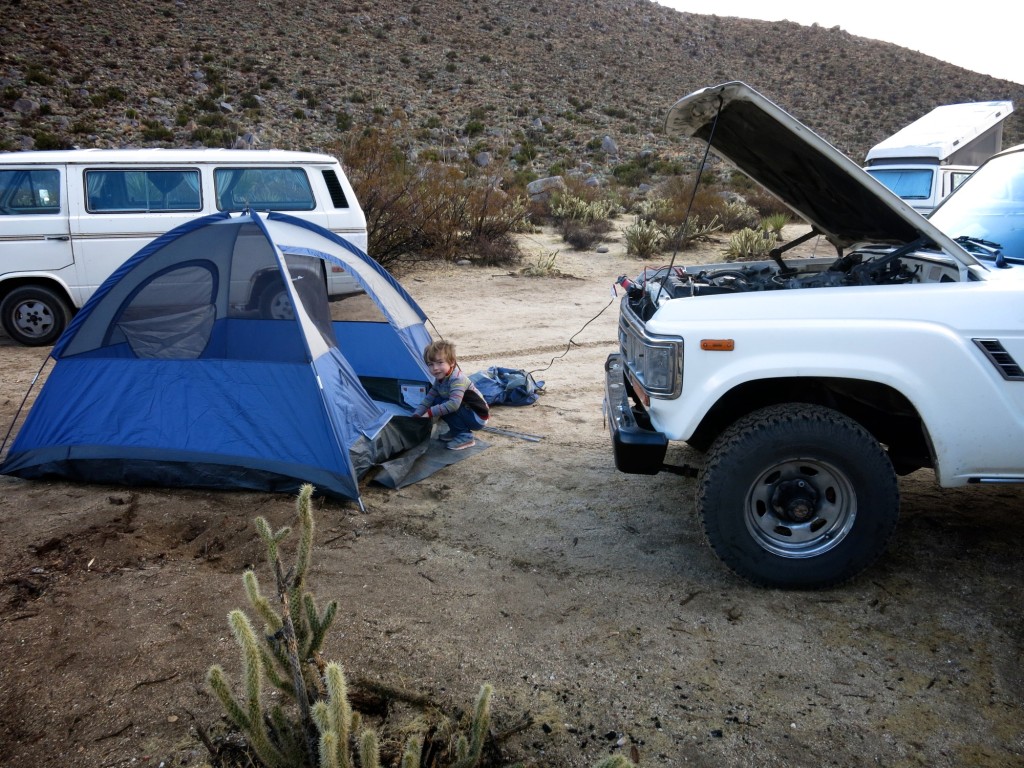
x=717 y=345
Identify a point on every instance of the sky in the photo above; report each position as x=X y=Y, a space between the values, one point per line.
x=930 y=28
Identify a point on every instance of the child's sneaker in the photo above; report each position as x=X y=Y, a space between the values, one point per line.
x=446 y=437
x=461 y=442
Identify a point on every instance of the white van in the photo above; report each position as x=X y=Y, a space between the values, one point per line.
x=926 y=160
x=69 y=218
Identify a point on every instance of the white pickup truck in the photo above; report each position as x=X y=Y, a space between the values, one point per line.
x=810 y=384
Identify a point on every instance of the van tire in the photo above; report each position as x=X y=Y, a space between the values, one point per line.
x=34 y=316
x=276 y=304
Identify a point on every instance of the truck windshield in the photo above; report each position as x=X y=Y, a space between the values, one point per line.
x=910 y=184
x=989 y=206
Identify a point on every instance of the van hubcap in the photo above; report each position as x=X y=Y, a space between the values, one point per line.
x=33 y=318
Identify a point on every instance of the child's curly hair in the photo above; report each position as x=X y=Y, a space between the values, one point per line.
x=443 y=350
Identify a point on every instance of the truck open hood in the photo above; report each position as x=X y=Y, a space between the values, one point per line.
x=821 y=184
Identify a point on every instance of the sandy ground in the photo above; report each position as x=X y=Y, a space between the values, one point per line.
x=588 y=598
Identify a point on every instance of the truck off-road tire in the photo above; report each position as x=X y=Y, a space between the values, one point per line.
x=34 y=316
x=798 y=496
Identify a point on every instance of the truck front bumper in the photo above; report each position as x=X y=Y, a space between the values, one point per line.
x=638 y=449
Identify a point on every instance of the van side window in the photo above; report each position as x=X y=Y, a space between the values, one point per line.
x=29 y=191
x=959 y=177
x=263 y=189
x=142 y=191
x=334 y=187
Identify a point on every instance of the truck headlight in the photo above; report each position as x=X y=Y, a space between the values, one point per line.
x=655 y=362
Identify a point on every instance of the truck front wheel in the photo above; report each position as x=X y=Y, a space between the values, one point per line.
x=798 y=496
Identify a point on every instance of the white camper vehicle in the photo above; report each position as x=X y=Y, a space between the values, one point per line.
x=928 y=159
x=69 y=218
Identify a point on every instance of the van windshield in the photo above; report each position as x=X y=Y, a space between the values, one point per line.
x=910 y=184
x=263 y=189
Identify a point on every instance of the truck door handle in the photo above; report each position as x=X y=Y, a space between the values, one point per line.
x=57 y=237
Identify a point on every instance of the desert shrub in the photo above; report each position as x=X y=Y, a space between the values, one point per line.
x=735 y=216
x=568 y=206
x=47 y=140
x=643 y=238
x=765 y=202
x=500 y=251
x=642 y=168
x=632 y=173
x=584 y=235
x=154 y=130
x=467 y=218
x=38 y=76
x=650 y=209
x=385 y=184
x=774 y=223
x=692 y=231
x=430 y=212
x=682 y=199
x=542 y=266
x=342 y=121
x=310 y=722
x=750 y=244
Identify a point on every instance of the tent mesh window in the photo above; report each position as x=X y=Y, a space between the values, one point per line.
x=170 y=316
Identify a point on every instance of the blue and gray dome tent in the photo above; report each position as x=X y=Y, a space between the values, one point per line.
x=210 y=359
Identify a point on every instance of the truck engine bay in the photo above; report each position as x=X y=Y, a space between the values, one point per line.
x=874 y=265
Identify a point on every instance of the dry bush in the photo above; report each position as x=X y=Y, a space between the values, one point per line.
x=431 y=212
x=583 y=236
x=500 y=251
x=766 y=203
x=737 y=202
x=385 y=185
x=707 y=203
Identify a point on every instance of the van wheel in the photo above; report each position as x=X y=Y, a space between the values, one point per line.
x=276 y=304
x=34 y=316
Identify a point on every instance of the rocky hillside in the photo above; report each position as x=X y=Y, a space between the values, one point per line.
x=541 y=82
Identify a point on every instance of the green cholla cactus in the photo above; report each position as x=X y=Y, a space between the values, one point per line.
x=287 y=656
x=467 y=754
x=736 y=215
x=750 y=244
x=644 y=239
x=651 y=209
x=568 y=206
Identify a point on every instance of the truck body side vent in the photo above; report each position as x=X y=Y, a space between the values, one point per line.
x=1001 y=359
